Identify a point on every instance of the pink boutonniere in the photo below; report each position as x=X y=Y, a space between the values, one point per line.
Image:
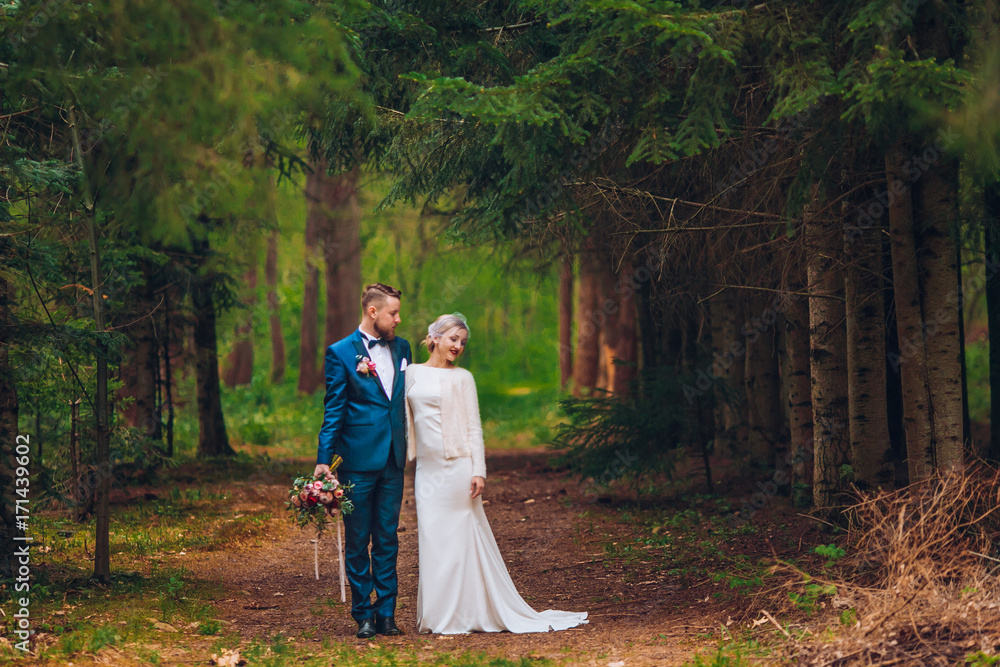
x=366 y=366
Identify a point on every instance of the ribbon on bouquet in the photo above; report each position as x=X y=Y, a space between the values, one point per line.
x=340 y=559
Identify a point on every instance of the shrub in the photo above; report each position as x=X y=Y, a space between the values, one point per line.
x=612 y=437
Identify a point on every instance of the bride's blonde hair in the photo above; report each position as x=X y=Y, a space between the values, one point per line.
x=442 y=324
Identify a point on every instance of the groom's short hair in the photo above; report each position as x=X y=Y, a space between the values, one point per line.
x=376 y=293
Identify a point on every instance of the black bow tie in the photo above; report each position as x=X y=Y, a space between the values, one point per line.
x=376 y=341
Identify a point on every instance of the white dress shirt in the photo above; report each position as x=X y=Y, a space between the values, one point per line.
x=384 y=367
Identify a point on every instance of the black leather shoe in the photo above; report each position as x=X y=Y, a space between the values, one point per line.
x=366 y=629
x=387 y=626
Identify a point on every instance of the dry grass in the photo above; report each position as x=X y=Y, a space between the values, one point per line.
x=923 y=579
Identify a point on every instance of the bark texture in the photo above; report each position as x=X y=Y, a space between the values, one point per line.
x=566 y=321
x=728 y=371
x=140 y=370
x=912 y=361
x=309 y=371
x=627 y=344
x=799 y=391
x=274 y=310
x=212 y=437
x=588 y=331
x=828 y=363
x=763 y=386
x=239 y=362
x=342 y=253
x=937 y=202
x=871 y=457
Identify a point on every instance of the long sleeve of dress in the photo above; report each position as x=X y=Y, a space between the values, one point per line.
x=474 y=437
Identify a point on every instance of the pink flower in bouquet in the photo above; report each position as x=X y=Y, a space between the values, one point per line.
x=304 y=495
x=325 y=497
x=297 y=501
x=338 y=493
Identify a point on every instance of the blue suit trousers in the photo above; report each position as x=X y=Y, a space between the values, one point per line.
x=377 y=498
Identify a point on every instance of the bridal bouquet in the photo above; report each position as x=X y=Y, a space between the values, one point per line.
x=312 y=499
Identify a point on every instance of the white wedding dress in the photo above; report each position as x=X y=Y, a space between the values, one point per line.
x=463 y=583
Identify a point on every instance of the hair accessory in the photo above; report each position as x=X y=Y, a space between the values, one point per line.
x=437 y=328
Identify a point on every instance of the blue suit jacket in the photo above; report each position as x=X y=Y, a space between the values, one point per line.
x=360 y=423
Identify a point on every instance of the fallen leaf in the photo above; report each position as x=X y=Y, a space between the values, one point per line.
x=617 y=663
x=529 y=501
x=164 y=627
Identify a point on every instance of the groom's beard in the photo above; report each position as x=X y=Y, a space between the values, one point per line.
x=383 y=334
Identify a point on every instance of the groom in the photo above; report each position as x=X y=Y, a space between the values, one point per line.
x=364 y=423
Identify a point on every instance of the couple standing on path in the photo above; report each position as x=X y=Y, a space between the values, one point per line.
x=381 y=409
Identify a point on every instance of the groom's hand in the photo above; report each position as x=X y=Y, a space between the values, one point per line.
x=324 y=470
x=477 y=486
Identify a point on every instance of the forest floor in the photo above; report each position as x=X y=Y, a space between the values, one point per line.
x=663 y=583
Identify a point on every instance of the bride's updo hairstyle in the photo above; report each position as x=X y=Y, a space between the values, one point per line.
x=441 y=325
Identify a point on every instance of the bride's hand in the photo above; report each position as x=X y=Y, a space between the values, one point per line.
x=477 y=486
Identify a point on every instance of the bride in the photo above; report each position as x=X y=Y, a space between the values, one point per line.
x=463 y=584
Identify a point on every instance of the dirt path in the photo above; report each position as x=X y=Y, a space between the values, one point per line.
x=554 y=549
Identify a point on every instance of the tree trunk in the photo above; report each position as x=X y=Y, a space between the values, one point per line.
x=966 y=420
x=936 y=198
x=626 y=347
x=566 y=321
x=138 y=372
x=992 y=197
x=871 y=457
x=212 y=438
x=588 y=330
x=342 y=251
x=912 y=361
x=8 y=438
x=648 y=333
x=273 y=309
x=74 y=459
x=763 y=390
x=936 y=224
x=728 y=372
x=309 y=372
x=102 y=512
x=102 y=522
x=239 y=363
x=800 y=416
x=827 y=349
x=606 y=318
x=168 y=374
